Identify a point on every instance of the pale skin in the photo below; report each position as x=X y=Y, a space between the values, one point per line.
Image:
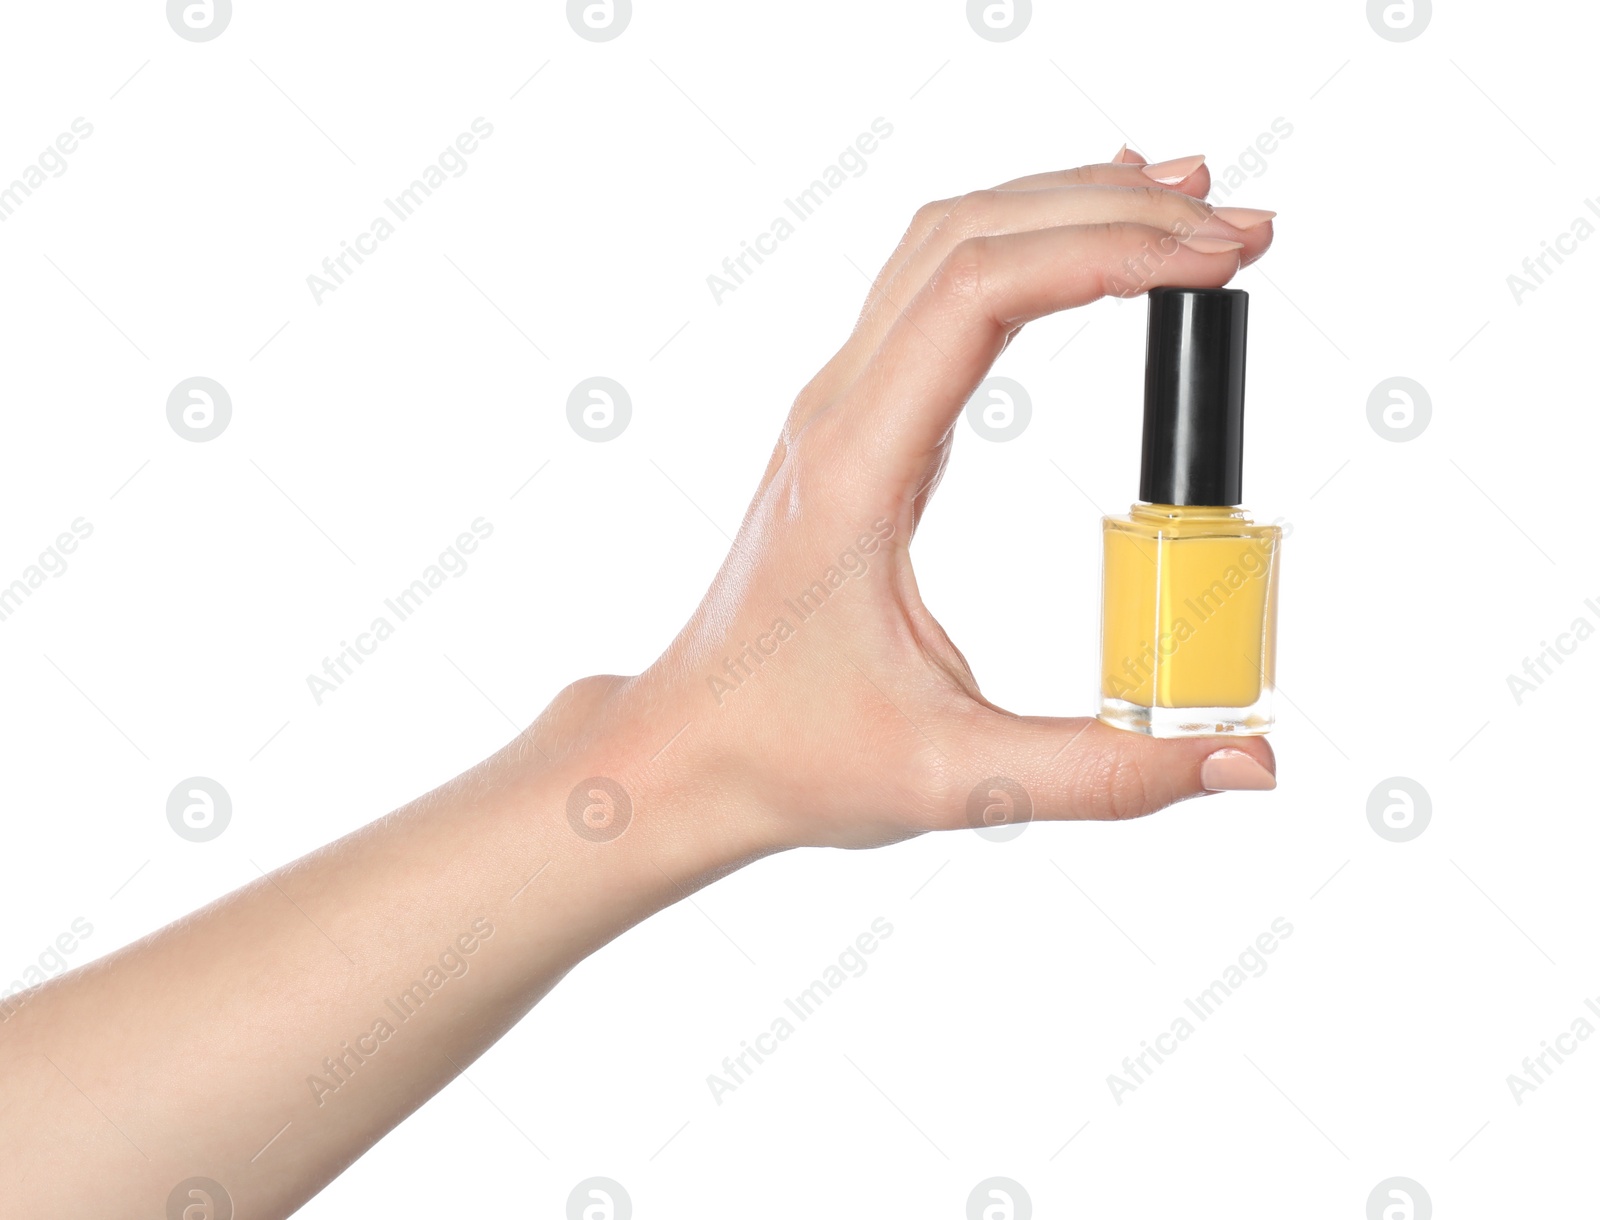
x=862 y=727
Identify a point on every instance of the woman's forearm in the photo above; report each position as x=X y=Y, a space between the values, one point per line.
x=314 y=1009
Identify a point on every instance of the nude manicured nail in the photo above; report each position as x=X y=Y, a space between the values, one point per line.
x=1235 y=771
x=1170 y=173
x=1212 y=245
x=1243 y=218
x=1122 y=153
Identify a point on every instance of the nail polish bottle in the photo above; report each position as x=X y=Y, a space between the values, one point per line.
x=1189 y=619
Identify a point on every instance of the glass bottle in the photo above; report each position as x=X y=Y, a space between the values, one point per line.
x=1190 y=594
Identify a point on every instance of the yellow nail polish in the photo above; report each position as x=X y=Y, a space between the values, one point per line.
x=1189 y=620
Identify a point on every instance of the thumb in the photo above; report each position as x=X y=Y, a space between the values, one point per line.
x=1054 y=769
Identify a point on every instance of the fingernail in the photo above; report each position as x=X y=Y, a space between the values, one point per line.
x=1123 y=151
x=1235 y=771
x=1170 y=173
x=1212 y=245
x=1243 y=218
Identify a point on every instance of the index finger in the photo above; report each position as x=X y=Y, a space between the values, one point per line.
x=1186 y=174
x=944 y=341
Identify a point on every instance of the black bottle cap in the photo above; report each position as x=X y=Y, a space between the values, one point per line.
x=1194 y=396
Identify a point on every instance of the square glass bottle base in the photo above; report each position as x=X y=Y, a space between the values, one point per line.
x=1249 y=721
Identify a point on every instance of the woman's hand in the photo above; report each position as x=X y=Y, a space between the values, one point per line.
x=814 y=697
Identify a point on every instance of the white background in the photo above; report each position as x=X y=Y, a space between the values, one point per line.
x=369 y=430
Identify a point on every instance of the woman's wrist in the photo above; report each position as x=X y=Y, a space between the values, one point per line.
x=627 y=775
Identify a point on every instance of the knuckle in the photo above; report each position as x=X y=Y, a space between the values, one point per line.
x=1187 y=212
x=972 y=213
x=963 y=273
x=926 y=219
x=1122 y=791
x=1158 y=207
